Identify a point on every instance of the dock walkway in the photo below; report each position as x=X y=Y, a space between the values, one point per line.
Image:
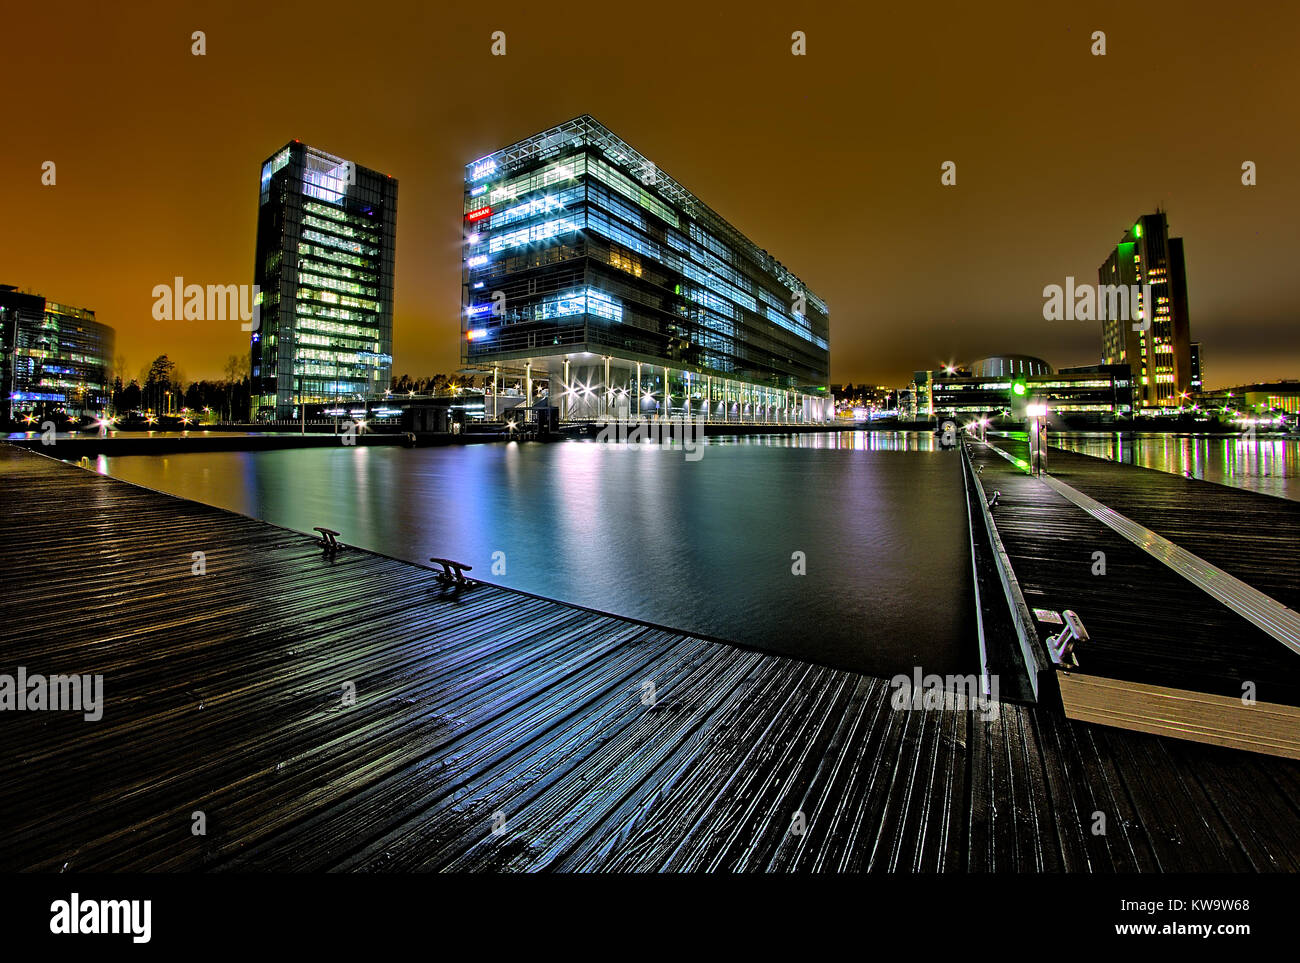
x=350 y=713
x=1151 y=630
x=1254 y=536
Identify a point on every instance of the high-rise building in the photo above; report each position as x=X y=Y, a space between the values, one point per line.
x=54 y=359
x=589 y=268
x=1198 y=373
x=1159 y=354
x=326 y=237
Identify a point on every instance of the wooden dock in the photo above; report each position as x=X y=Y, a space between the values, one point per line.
x=1163 y=655
x=491 y=730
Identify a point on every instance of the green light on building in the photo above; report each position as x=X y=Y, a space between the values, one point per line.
x=1137 y=229
x=1019 y=387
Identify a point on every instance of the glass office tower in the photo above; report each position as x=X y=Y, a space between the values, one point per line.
x=54 y=359
x=326 y=235
x=590 y=270
x=1160 y=357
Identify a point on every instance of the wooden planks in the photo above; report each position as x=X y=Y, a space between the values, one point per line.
x=1179 y=662
x=491 y=709
x=1146 y=623
x=1202 y=717
x=1254 y=536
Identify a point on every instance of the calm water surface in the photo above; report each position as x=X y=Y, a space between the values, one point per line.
x=1266 y=464
x=705 y=546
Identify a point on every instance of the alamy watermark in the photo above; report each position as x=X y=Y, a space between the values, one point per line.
x=127 y=917
x=662 y=432
x=916 y=692
x=55 y=693
x=1091 y=302
x=179 y=301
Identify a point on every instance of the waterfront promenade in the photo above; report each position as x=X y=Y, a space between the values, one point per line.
x=350 y=713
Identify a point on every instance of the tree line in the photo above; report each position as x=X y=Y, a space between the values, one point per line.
x=162 y=388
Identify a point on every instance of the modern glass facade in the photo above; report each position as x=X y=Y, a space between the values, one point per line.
x=326 y=236
x=54 y=359
x=587 y=267
x=1159 y=357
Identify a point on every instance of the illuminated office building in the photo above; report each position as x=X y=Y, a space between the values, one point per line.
x=326 y=233
x=54 y=359
x=588 y=268
x=1160 y=356
x=988 y=387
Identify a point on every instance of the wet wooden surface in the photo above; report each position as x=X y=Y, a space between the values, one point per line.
x=1145 y=622
x=1252 y=536
x=488 y=709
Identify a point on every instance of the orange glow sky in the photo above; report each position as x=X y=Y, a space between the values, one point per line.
x=830 y=161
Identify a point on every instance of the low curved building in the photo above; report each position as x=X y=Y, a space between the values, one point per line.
x=1009 y=366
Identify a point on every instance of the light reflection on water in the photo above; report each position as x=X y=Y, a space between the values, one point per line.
x=1265 y=464
x=842 y=440
x=705 y=546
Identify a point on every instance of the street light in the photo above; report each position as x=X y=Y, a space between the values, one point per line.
x=1037 y=413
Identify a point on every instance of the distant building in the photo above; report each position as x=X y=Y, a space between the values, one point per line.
x=590 y=269
x=908 y=410
x=932 y=390
x=875 y=396
x=1198 y=374
x=326 y=238
x=54 y=359
x=1270 y=398
x=1160 y=356
x=1097 y=389
x=1103 y=392
x=919 y=395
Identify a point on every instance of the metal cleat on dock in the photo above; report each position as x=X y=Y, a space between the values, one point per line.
x=329 y=539
x=453 y=572
x=993 y=502
x=1061 y=645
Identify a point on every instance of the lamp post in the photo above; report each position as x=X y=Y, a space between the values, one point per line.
x=1037 y=413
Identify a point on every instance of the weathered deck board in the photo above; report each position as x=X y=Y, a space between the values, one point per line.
x=224 y=694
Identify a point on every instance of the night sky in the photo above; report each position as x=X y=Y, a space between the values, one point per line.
x=830 y=161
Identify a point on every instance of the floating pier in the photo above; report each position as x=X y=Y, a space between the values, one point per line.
x=1186 y=589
